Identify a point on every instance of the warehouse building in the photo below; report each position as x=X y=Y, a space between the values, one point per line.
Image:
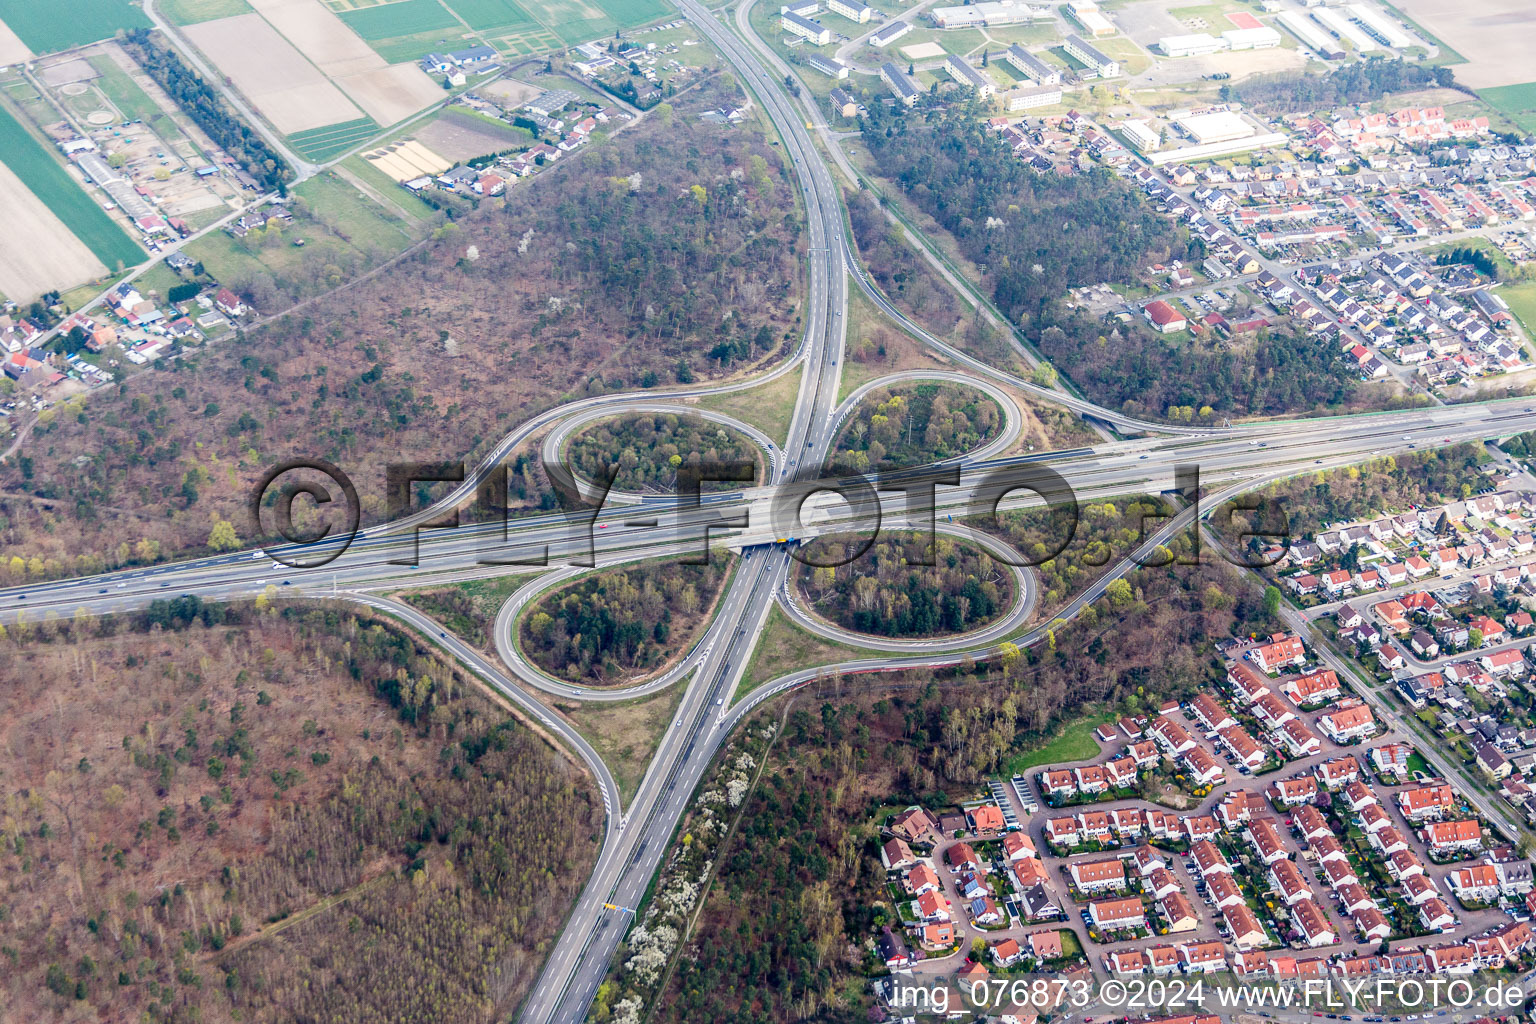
x=1261 y=38
x=1196 y=44
x=1383 y=29
x=1087 y=14
x=1309 y=35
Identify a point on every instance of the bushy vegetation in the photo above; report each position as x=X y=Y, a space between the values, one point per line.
x=1037 y=234
x=888 y=592
x=649 y=450
x=1152 y=374
x=1106 y=532
x=620 y=622
x=1359 y=81
x=202 y=103
x=1310 y=502
x=916 y=424
x=239 y=814
x=901 y=273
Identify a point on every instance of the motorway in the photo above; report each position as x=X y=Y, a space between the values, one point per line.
x=633 y=527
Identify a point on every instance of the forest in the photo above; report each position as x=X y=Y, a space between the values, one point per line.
x=650 y=448
x=1036 y=234
x=1361 y=81
x=618 y=623
x=224 y=814
x=887 y=591
x=625 y=266
x=787 y=930
x=915 y=425
x=1146 y=374
x=1105 y=532
x=1310 y=502
x=905 y=278
x=202 y=103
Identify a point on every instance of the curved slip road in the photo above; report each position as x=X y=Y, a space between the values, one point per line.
x=552 y=451
x=1025 y=597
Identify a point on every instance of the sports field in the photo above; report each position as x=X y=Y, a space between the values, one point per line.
x=47 y=26
x=49 y=182
x=321 y=144
x=1516 y=102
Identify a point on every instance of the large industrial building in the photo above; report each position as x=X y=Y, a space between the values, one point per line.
x=1087 y=14
x=991 y=12
x=1098 y=62
x=1196 y=44
x=1219 y=126
x=1032 y=67
x=1309 y=35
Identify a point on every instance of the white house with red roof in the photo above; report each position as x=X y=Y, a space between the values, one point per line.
x=1163 y=317
x=1279 y=651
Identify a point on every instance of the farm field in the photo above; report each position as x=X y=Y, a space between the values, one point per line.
x=286 y=88
x=12 y=49
x=190 y=12
x=405 y=18
x=567 y=21
x=55 y=259
x=60 y=24
x=1496 y=33
x=458 y=135
x=408 y=29
x=51 y=184
x=321 y=144
x=1516 y=102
